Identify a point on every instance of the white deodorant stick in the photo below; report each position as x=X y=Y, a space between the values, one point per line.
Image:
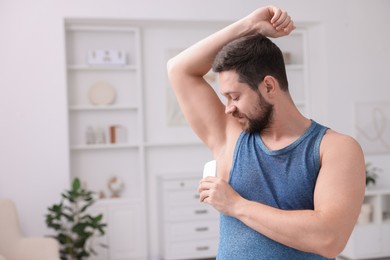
x=210 y=169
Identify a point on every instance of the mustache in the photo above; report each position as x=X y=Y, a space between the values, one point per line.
x=237 y=114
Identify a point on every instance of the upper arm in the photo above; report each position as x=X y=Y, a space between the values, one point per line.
x=201 y=106
x=340 y=185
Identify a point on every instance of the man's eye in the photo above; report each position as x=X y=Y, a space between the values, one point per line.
x=235 y=98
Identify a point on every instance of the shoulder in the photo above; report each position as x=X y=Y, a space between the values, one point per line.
x=336 y=145
x=333 y=139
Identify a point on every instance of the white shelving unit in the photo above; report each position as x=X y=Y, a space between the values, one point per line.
x=372 y=240
x=96 y=163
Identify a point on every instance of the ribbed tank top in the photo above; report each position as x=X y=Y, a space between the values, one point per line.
x=283 y=179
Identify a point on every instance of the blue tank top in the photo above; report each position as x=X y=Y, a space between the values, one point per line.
x=283 y=179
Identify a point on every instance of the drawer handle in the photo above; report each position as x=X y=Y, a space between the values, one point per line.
x=201 y=229
x=201 y=211
x=197 y=196
x=202 y=248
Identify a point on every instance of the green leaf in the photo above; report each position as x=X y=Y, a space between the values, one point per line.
x=103 y=245
x=65 y=196
x=64 y=239
x=79 y=227
x=101 y=230
x=87 y=206
x=68 y=217
x=98 y=218
x=76 y=184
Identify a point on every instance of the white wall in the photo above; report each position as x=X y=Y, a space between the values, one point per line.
x=33 y=154
x=353 y=61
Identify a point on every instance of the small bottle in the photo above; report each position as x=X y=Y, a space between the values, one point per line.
x=90 y=135
x=100 y=136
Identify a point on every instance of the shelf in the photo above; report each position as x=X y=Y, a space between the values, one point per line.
x=100 y=108
x=102 y=67
x=294 y=67
x=377 y=191
x=100 y=28
x=172 y=144
x=103 y=146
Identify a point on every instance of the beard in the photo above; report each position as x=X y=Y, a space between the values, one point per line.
x=261 y=122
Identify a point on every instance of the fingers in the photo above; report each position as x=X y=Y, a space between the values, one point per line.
x=282 y=23
x=206 y=183
x=281 y=20
x=290 y=27
x=204 y=195
x=204 y=191
x=276 y=14
x=205 y=187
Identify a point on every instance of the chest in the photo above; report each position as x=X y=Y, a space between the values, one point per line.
x=286 y=181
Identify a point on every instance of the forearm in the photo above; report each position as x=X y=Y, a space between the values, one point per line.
x=197 y=60
x=305 y=230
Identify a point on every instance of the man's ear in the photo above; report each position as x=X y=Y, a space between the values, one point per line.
x=269 y=84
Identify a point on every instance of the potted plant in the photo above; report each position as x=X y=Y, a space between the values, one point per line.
x=371 y=174
x=365 y=215
x=75 y=228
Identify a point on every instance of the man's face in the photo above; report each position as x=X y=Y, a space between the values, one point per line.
x=250 y=108
x=260 y=121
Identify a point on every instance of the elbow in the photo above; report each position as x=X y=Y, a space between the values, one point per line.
x=331 y=252
x=172 y=71
x=171 y=67
x=332 y=246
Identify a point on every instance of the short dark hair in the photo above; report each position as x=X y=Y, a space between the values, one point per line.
x=253 y=57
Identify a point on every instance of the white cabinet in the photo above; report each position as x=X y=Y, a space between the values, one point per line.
x=106 y=127
x=189 y=229
x=125 y=236
x=371 y=240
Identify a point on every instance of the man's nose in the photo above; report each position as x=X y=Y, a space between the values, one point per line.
x=229 y=109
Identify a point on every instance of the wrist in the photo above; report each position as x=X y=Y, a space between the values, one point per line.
x=247 y=26
x=238 y=208
x=243 y=27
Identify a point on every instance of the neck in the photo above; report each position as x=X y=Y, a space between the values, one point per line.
x=287 y=125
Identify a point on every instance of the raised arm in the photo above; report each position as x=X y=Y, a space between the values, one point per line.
x=198 y=101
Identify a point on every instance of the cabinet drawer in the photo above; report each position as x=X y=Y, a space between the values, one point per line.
x=203 y=211
x=192 y=230
x=181 y=197
x=181 y=184
x=192 y=249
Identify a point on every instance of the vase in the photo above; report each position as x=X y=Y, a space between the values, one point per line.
x=365 y=215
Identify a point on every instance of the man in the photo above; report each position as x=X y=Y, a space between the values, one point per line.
x=286 y=186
